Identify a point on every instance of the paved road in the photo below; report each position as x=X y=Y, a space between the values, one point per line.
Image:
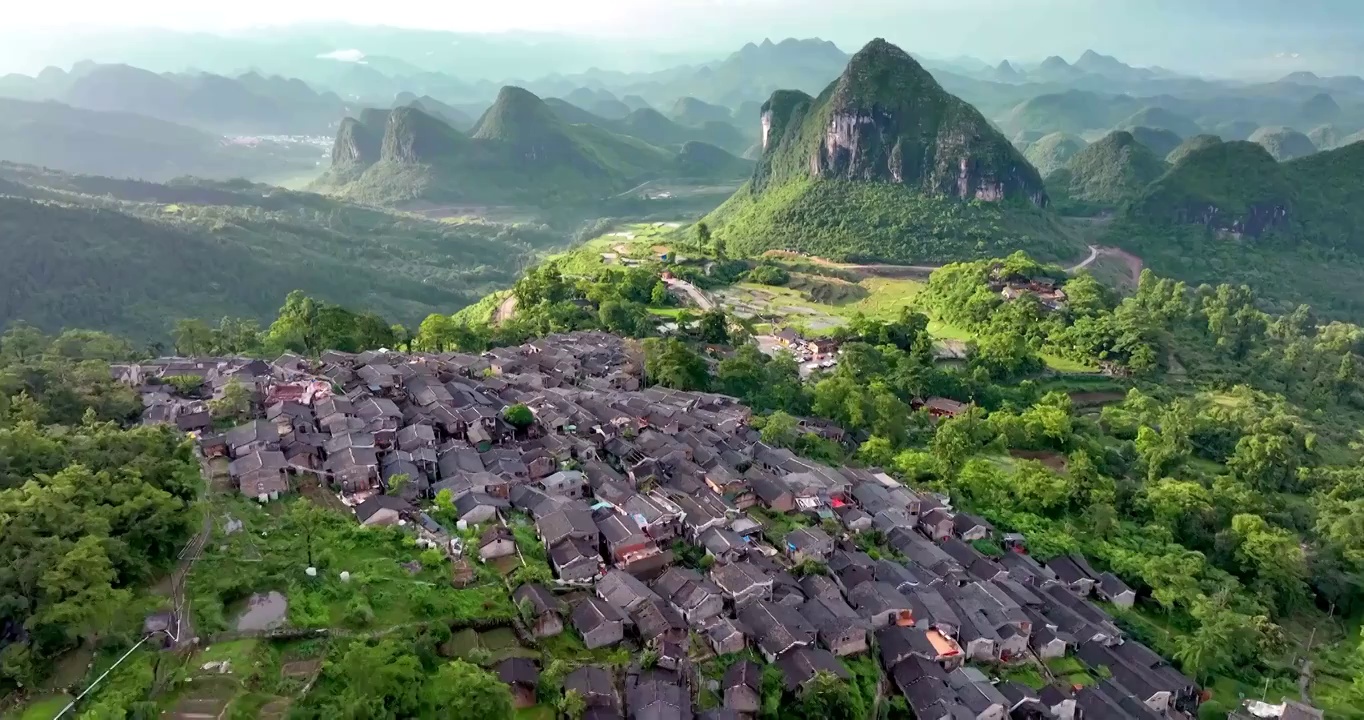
x=697 y=297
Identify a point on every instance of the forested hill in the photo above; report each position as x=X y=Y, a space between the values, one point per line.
x=131 y=257
x=886 y=165
x=1229 y=212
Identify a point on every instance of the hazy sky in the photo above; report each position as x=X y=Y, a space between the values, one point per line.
x=1179 y=33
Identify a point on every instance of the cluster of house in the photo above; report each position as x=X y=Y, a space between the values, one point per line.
x=1011 y=287
x=612 y=476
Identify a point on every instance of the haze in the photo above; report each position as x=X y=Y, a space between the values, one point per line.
x=1259 y=38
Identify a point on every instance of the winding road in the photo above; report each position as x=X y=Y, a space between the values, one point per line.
x=505 y=310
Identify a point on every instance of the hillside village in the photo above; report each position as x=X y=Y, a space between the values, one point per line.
x=804 y=566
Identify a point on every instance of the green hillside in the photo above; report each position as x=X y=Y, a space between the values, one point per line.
x=1105 y=174
x=1230 y=212
x=1073 y=111
x=519 y=152
x=1162 y=142
x=1197 y=142
x=130 y=256
x=890 y=187
x=692 y=111
x=1283 y=143
x=698 y=160
x=122 y=144
x=1161 y=119
x=1051 y=152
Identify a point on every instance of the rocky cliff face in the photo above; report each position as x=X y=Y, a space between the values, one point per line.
x=887 y=120
x=413 y=136
x=356 y=144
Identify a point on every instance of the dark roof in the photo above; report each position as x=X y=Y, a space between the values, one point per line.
x=800 y=665
x=653 y=618
x=594 y=684
x=807 y=537
x=592 y=612
x=468 y=502
x=777 y=628
x=541 y=599
x=375 y=503
x=518 y=671
x=743 y=672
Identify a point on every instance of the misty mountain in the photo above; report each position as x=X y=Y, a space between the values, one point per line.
x=251 y=104
x=127 y=145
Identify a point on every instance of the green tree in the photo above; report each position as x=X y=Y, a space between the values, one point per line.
x=234 y=405
x=671 y=363
x=385 y=679
x=519 y=416
x=572 y=706
x=463 y=690
x=714 y=327
x=826 y=697
x=192 y=337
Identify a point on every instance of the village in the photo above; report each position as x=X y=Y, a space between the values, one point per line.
x=803 y=566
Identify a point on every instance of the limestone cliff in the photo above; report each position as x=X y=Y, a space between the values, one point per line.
x=887 y=120
x=356 y=143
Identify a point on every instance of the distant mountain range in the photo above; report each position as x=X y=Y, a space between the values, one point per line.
x=521 y=151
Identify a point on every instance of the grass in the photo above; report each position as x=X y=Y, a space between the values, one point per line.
x=272 y=551
x=536 y=712
x=1067 y=365
x=1026 y=675
x=669 y=312
x=237 y=653
x=568 y=645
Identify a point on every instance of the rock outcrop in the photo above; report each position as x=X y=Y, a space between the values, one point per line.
x=1234 y=188
x=413 y=136
x=887 y=120
x=357 y=144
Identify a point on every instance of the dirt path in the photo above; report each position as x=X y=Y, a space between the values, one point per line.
x=1134 y=263
x=183 y=629
x=505 y=310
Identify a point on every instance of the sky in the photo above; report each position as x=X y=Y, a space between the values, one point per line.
x=1183 y=34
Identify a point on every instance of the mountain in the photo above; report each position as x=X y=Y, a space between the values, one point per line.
x=757 y=70
x=1051 y=152
x=702 y=161
x=691 y=111
x=1236 y=129
x=1230 y=212
x=249 y=104
x=1073 y=111
x=611 y=109
x=1351 y=140
x=1161 y=142
x=874 y=168
x=1005 y=72
x=519 y=152
x=131 y=257
x=1161 y=119
x=1110 y=67
x=1318 y=109
x=635 y=102
x=1055 y=69
x=652 y=127
x=1188 y=147
x=1283 y=143
x=1114 y=169
x=120 y=144
x=1326 y=137
x=452 y=116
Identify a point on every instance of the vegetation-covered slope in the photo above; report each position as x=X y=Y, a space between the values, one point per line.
x=702 y=160
x=1197 y=142
x=1161 y=119
x=1283 y=143
x=1161 y=142
x=876 y=167
x=1051 y=152
x=130 y=256
x=1107 y=173
x=519 y=152
x=1229 y=212
x=127 y=145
